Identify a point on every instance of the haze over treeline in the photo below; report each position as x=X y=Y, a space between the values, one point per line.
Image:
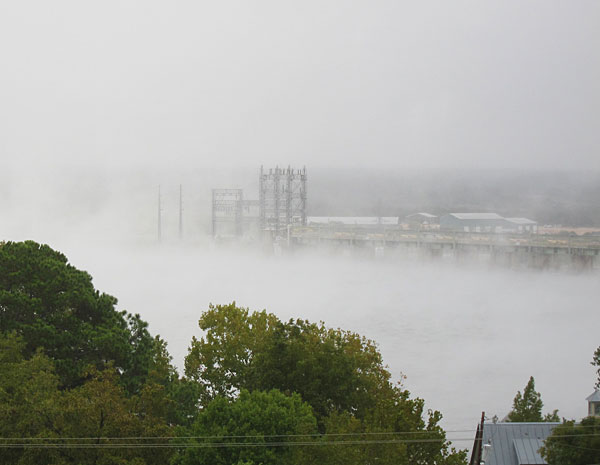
x=121 y=203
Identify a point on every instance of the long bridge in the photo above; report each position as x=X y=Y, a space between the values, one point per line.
x=541 y=251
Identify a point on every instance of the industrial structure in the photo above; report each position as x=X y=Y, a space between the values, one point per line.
x=281 y=204
x=485 y=222
x=280 y=214
x=227 y=212
x=421 y=219
x=282 y=199
x=359 y=221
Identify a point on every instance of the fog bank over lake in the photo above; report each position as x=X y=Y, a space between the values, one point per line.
x=465 y=338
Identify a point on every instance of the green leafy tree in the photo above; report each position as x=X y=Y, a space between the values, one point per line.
x=574 y=444
x=596 y=363
x=30 y=402
x=53 y=305
x=339 y=373
x=255 y=428
x=34 y=410
x=220 y=362
x=331 y=369
x=100 y=409
x=527 y=407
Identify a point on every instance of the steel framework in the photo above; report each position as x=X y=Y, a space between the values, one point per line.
x=282 y=198
x=227 y=212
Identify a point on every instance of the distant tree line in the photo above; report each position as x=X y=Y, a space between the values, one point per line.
x=567 y=198
x=82 y=383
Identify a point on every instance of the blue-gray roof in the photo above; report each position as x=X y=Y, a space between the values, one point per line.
x=595 y=397
x=515 y=443
x=521 y=221
x=476 y=216
x=528 y=451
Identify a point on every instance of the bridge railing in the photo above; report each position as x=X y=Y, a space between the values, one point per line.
x=386 y=233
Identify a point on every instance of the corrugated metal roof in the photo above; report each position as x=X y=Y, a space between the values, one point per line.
x=426 y=215
x=528 y=451
x=502 y=436
x=595 y=397
x=521 y=221
x=357 y=220
x=477 y=216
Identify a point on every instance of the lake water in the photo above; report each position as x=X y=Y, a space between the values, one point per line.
x=466 y=339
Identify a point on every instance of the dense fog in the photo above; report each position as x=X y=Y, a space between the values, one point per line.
x=466 y=337
x=393 y=107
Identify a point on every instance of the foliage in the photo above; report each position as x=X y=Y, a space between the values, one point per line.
x=32 y=406
x=220 y=362
x=552 y=417
x=339 y=373
x=71 y=366
x=574 y=444
x=527 y=407
x=393 y=433
x=252 y=429
x=596 y=363
x=53 y=305
x=331 y=369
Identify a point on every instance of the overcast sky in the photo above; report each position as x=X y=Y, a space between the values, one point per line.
x=465 y=84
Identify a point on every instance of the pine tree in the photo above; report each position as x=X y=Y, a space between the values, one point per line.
x=527 y=406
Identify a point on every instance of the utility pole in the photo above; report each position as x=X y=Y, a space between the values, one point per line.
x=180 y=213
x=159 y=216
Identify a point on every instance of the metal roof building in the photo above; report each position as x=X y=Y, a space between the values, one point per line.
x=354 y=220
x=523 y=224
x=513 y=443
x=594 y=403
x=421 y=218
x=473 y=222
x=486 y=222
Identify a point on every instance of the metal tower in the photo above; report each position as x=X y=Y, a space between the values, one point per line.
x=282 y=198
x=227 y=212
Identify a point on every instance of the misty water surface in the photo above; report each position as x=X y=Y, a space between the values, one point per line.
x=465 y=338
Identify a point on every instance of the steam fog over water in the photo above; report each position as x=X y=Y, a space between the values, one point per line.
x=393 y=108
x=465 y=338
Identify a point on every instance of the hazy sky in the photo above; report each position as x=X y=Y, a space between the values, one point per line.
x=399 y=84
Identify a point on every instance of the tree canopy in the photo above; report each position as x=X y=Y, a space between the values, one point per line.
x=527 y=407
x=53 y=305
x=239 y=431
x=72 y=366
x=596 y=363
x=574 y=444
x=338 y=373
x=35 y=412
x=333 y=370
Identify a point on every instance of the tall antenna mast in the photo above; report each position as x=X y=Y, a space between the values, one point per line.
x=159 y=216
x=180 y=212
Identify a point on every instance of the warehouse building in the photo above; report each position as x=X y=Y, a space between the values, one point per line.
x=486 y=222
x=473 y=222
x=522 y=225
x=421 y=219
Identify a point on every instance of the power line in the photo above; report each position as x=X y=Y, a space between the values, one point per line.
x=212 y=445
x=313 y=435
x=83 y=445
x=322 y=435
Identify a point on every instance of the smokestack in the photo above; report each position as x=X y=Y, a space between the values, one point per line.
x=180 y=212
x=159 y=217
